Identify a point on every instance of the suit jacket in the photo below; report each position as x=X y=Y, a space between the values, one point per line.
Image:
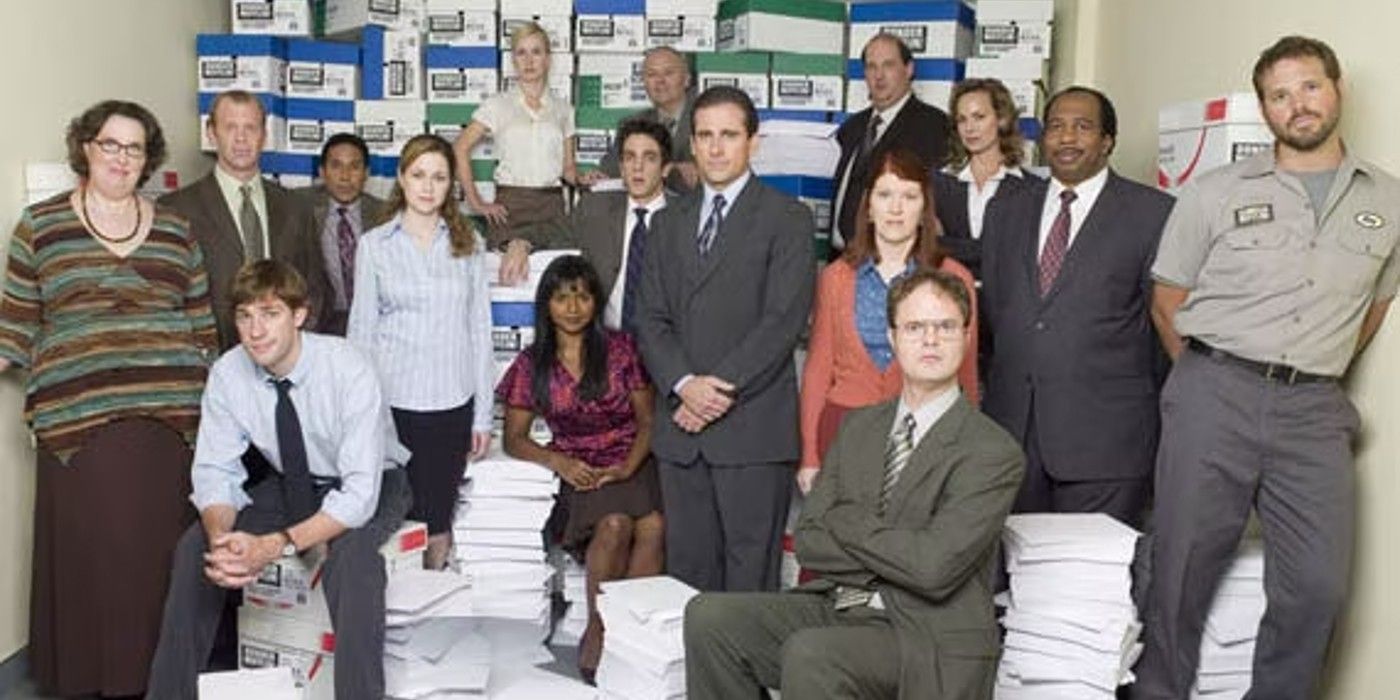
x=950 y=194
x=735 y=314
x=597 y=222
x=680 y=146
x=919 y=127
x=291 y=235
x=1084 y=361
x=932 y=552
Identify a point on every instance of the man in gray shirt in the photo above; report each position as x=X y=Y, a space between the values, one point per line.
x=1272 y=274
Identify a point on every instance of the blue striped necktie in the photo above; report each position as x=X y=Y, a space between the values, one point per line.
x=712 y=224
x=632 y=274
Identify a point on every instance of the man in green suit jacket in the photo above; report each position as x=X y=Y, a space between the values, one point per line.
x=900 y=529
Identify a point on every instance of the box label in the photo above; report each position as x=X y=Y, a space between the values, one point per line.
x=306 y=75
x=793 y=88
x=666 y=28
x=1000 y=35
x=915 y=36
x=447 y=24
x=253 y=11
x=596 y=28
x=218 y=69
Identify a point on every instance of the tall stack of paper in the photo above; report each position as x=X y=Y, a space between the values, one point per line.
x=643 y=646
x=796 y=147
x=1071 y=627
x=1227 y=647
x=431 y=646
x=572 y=584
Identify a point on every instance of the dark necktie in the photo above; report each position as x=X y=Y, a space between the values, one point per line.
x=345 y=237
x=855 y=179
x=250 y=226
x=1052 y=257
x=710 y=230
x=897 y=452
x=291 y=447
x=632 y=275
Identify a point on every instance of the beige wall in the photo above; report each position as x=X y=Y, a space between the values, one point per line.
x=56 y=58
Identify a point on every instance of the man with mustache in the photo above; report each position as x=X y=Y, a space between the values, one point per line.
x=1272 y=274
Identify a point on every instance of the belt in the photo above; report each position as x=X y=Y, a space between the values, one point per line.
x=1270 y=371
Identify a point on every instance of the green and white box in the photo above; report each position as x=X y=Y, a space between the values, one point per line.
x=1017 y=27
x=611 y=81
x=466 y=23
x=561 y=74
x=386 y=125
x=275 y=17
x=594 y=129
x=1025 y=77
x=796 y=26
x=808 y=81
x=559 y=27
x=747 y=71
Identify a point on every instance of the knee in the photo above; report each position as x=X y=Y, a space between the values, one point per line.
x=803 y=650
x=1320 y=590
x=613 y=529
x=705 y=615
x=649 y=528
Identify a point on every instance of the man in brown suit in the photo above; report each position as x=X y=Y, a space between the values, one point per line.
x=900 y=530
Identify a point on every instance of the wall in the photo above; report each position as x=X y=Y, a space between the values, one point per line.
x=57 y=58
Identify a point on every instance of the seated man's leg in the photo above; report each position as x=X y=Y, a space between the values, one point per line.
x=355 y=580
x=734 y=641
x=858 y=660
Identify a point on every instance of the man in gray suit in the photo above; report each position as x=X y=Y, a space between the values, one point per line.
x=900 y=530
x=341 y=211
x=667 y=76
x=611 y=227
x=238 y=216
x=1067 y=290
x=726 y=290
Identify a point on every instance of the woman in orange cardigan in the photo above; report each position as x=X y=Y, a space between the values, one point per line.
x=849 y=360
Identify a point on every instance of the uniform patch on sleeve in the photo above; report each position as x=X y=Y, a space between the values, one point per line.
x=1254 y=214
x=1369 y=219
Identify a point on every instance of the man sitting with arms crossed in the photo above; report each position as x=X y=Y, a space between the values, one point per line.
x=900 y=529
x=311 y=404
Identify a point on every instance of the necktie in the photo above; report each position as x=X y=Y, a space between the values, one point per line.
x=1052 y=257
x=897 y=453
x=855 y=179
x=345 y=237
x=291 y=446
x=250 y=226
x=632 y=275
x=710 y=230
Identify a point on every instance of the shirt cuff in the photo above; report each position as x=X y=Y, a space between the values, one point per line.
x=680 y=383
x=344 y=509
x=230 y=495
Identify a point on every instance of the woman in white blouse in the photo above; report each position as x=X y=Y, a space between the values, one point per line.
x=422 y=312
x=533 y=131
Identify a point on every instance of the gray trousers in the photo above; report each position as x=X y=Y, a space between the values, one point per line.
x=354 y=580
x=1232 y=440
x=724 y=524
x=737 y=644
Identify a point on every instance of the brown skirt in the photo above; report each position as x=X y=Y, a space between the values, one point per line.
x=105 y=527
x=581 y=510
x=535 y=214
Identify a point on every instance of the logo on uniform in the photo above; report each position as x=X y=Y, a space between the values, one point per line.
x=1254 y=214
x=1369 y=219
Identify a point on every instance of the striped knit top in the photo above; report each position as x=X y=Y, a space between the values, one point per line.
x=105 y=337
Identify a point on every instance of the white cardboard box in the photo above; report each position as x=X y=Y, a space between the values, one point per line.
x=267 y=639
x=386 y=125
x=690 y=33
x=767 y=31
x=462 y=74
x=239 y=62
x=707 y=8
x=609 y=33
x=747 y=71
x=808 y=82
x=1020 y=27
x=1200 y=135
x=469 y=23
x=391 y=64
x=560 y=28
x=275 y=17
x=348 y=17
x=930 y=29
x=324 y=70
x=311 y=122
x=1024 y=77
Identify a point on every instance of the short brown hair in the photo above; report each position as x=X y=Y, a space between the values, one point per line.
x=1009 y=140
x=268 y=278
x=237 y=97
x=1295 y=46
x=945 y=283
x=903 y=164
x=85 y=127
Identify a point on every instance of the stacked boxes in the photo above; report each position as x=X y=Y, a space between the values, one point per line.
x=938 y=34
x=273 y=17
x=391 y=64
x=1196 y=136
x=747 y=71
x=609 y=26
x=595 y=128
x=779 y=25
x=1013 y=46
x=554 y=16
x=240 y=62
x=685 y=25
x=466 y=23
x=460 y=74
x=349 y=17
x=611 y=81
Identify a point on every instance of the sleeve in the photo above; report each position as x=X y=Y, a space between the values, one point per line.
x=514 y=389
x=1186 y=240
x=363 y=319
x=566 y=121
x=817 y=549
x=361 y=455
x=967 y=372
x=489 y=113
x=198 y=307
x=634 y=378
x=656 y=326
x=818 y=373
x=484 y=372
x=22 y=306
x=1389 y=277
x=217 y=474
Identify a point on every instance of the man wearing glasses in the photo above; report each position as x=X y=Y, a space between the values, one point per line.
x=900 y=530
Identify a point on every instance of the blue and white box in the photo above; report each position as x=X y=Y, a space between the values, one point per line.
x=311 y=122
x=462 y=74
x=386 y=125
x=470 y=23
x=290 y=170
x=274 y=126
x=325 y=70
x=391 y=64
x=609 y=26
x=276 y=17
x=561 y=74
x=933 y=82
x=383 y=172
x=249 y=62
x=941 y=29
x=815 y=192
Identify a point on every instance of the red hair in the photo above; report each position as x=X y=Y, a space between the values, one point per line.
x=904 y=165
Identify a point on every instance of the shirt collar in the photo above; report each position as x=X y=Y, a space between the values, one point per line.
x=300 y=371
x=1085 y=191
x=395 y=226
x=888 y=114
x=229 y=182
x=928 y=414
x=1002 y=172
x=867 y=267
x=1266 y=163
x=652 y=205
x=730 y=191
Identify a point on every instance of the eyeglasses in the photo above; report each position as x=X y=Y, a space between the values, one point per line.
x=112 y=147
x=946 y=329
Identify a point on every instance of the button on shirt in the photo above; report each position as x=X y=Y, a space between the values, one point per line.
x=344 y=421
x=231 y=187
x=612 y=313
x=1270 y=281
x=1086 y=193
x=977 y=199
x=424 y=317
x=529 y=143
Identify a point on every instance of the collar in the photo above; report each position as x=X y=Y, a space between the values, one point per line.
x=965 y=175
x=336 y=204
x=867 y=267
x=730 y=192
x=661 y=113
x=888 y=114
x=1086 y=191
x=652 y=205
x=546 y=97
x=1266 y=163
x=300 y=371
x=395 y=227
x=928 y=414
x=228 y=181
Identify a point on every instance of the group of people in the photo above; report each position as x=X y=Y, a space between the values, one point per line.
x=186 y=350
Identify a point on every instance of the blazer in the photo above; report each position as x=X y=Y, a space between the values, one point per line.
x=597 y=222
x=950 y=194
x=919 y=127
x=1084 y=361
x=839 y=370
x=291 y=235
x=735 y=314
x=931 y=554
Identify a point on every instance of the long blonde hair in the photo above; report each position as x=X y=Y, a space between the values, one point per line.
x=460 y=232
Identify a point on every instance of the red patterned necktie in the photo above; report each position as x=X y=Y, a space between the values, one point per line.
x=345 y=237
x=1056 y=244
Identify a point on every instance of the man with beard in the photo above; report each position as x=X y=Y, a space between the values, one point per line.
x=1272 y=274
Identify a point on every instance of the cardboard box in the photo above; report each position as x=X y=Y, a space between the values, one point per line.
x=595 y=128
x=239 y=62
x=275 y=17
x=391 y=64
x=707 y=8
x=561 y=75
x=386 y=125
x=559 y=27
x=609 y=26
x=780 y=25
x=511 y=339
x=311 y=122
x=808 y=82
x=448 y=119
x=746 y=71
x=267 y=639
x=1017 y=27
x=290 y=170
x=326 y=70
x=933 y=82
x=467 y=23
x=461 y=74
x=539 y=7
x=815 y=192
x=941 y=29
x=274 y=125
x=690 y=33
x=1200 y=135
x=1025 y=78
x=349 y=17
x=612 y=81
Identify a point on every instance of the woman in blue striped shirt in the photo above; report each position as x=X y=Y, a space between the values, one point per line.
x=422 y=312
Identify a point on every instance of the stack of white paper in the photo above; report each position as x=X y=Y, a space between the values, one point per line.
x=431 y=650
x=1071 y=628
x=274 y=683
x=643 y=646
x=525 y=290
x=572 y=585
x=794 y=147
x=1227 y=647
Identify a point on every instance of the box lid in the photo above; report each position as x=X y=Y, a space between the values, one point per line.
x=320 y=110
x=924 y=69
x=600 y=117
x=808 y=9
x=461 y=57
x=808 y=64
x=322 y=51
x=287 y=163
x=945 y=10
x=272 y=104
x=610 y=7
x=802 y=115
x=800 y=185
x=450 y=113
x=737 y=62
x=997 y=11
x=239 y=45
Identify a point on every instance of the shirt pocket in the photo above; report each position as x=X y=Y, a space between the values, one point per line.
x=1359 y=256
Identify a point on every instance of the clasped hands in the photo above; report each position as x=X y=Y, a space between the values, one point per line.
x=704 y=400
x=236 y=559
x=583 y=477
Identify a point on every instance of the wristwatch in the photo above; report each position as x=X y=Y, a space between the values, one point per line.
x=290 y=548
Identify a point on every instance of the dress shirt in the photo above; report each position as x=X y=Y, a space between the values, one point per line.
x=927 y=415
x=977 y=199
x=529 y=143
x=344 y=421
x=1086 y=193
x=424 y=316
x=872 y=311
x=330 y=244
x=612 y=313
x=231 y=187
x=887 y=116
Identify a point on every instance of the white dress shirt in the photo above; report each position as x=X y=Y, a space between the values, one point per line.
x=612 y=313
x=977 y=199
x=1086 y=192
x=529 y=142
